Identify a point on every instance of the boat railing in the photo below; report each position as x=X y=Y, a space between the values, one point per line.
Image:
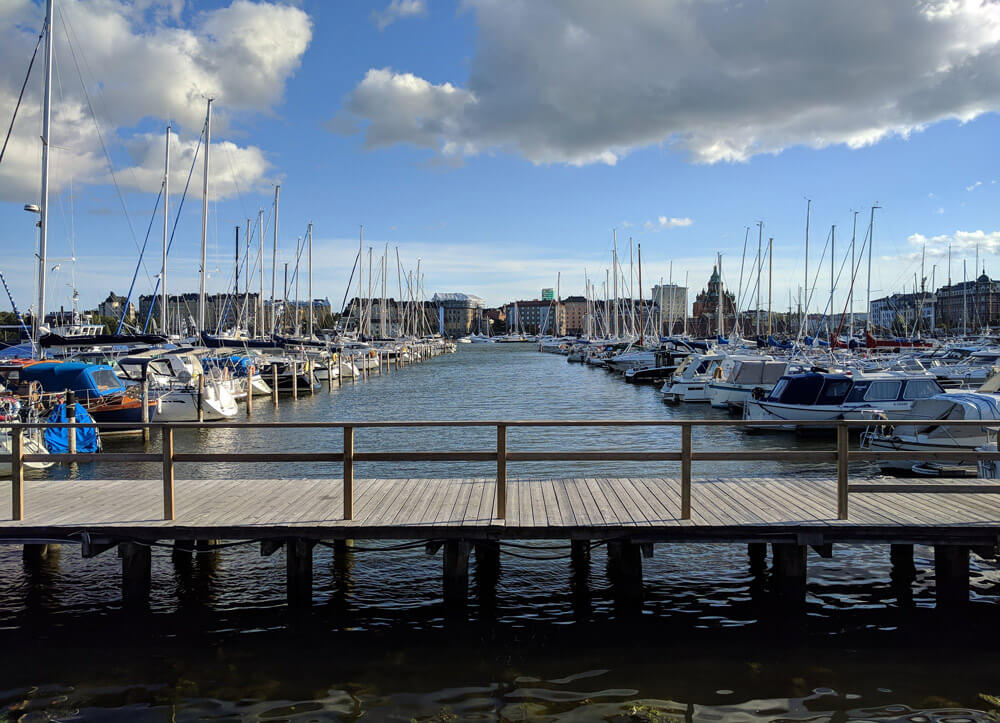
x=840 y=455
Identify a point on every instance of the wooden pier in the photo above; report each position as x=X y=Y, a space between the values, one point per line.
x=793 y=513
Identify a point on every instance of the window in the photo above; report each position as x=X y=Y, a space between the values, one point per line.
x=105 y=380
x=834 y=391
x=921 y=389
x=884 y=391
x=779 y=388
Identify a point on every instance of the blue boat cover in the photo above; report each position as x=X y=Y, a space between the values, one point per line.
x=57 y=438
x=94 y=380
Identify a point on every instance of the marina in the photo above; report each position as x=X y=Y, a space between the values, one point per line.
x=346 y=373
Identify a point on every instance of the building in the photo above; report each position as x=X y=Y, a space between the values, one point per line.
x=898 y=313
x=537 y=317
x=222 y=312
x=401 y=317
x=672 y=300
x=459 y=314
x=575 y=312
x=968 y=304
x=705 y=313
x=113 y=305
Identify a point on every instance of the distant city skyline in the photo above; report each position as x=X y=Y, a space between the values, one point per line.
x=501 y=161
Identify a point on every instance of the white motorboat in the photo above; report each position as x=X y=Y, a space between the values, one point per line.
x=746 y=377
x=824 y=396
x=690 y=380
x=952 y=406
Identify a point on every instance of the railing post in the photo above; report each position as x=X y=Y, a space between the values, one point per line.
x=348 y=473
x=274 y=383
x=295 y=379
x=685 y=471
x=17 y=472
x=71 y=419
x=501 y=471
x=201 y=397
x=145 y=409
x=251 y=370
x=168 y=473
x=842 y=459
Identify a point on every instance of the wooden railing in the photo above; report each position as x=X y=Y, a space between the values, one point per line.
x=841 y=455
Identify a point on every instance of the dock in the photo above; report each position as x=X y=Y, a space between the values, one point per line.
x=794 y=514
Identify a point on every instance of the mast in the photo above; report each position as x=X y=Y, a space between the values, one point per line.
x=166 y=203
x=284 y=295
x=770 y=280
x=274 y=253
x=298 y=256
x=631 y=288
x=43 y=223
x=236 y=293
x=204 y=219
x=871 y=242
x=760 y=263
x=385 y=271
x=642 y=328
x=614 y=265
x=804 y=318
x=260 y=298
x=854 y=236
x=965 y=305
x=361 y=261
x=310 y=280
x=368 y=316
x=722 y=302
x=829 y=318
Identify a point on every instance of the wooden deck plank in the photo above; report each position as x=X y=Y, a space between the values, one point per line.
x=535 y=507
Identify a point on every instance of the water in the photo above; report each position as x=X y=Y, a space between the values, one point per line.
x=552 y=643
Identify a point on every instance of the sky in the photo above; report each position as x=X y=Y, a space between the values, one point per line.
x=505 y=143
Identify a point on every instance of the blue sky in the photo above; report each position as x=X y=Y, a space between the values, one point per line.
x=521 y=167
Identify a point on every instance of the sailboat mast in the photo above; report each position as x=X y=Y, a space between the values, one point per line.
x=871 y=242
x=722 y=300
x=361 y=262
x=310 y=280
x=829 y=318
x=770 y=284
x=854 y=236
x=804 y=319
x=298 y=256
x=166 y=214
x=274 y=254
x=38 y=318
x=641 y=327
x=760 y=262
x=204 y=219
x=614 y=266
x=260 y=298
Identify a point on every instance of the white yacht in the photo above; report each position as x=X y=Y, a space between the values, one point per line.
x=745 y=377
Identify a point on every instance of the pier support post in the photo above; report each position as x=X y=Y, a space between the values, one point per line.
x=274 y=384
x=951 y=574
x=901 y=557
x=790 y=573
x=579 y=553
x=137 y=563
x=250 y=375
x=487 y=573
x=295 y=380
x=299 y=567
x=625 y=571
x=456 y=574
x=757 y=552
x=34 y=554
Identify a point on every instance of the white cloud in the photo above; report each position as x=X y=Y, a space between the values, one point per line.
x=961 y=242
x=974 y=186
x=585 y=81
x=139 y=62
x=397 y=10
x=663 y=222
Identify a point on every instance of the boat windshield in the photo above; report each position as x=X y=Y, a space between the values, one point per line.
x=105 y=380
x=834 y=391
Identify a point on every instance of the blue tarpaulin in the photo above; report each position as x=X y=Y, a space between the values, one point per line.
x=57 y=438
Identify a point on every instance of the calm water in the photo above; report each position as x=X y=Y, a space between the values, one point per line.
x=550 y=644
